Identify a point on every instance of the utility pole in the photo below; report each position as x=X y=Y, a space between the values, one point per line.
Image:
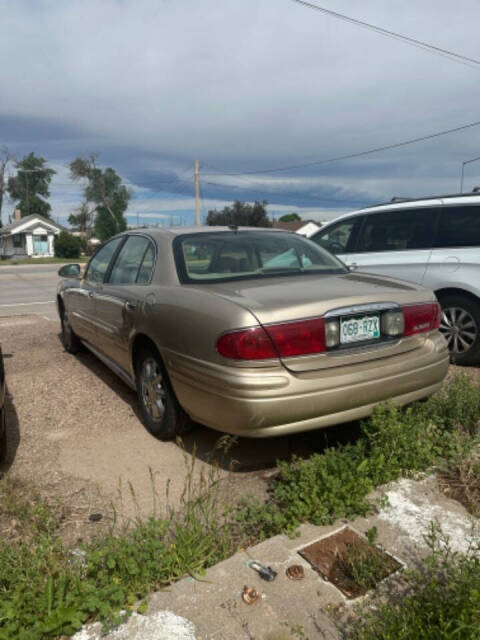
x=463 y=171
x=197 y=195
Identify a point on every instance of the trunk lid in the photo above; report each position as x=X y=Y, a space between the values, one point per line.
x=285 y=299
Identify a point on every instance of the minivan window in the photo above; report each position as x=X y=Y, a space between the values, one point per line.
x=459 y=227
x=229 y=255
x=397 y=230
x=337 y=238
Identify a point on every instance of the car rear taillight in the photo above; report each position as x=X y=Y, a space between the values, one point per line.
x=419 y=318
x=283 y=340
x=298 y=338
x=249 y=344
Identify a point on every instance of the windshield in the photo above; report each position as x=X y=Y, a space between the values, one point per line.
x=232 y=255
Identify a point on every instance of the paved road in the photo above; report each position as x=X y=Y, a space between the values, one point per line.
x=28 y=289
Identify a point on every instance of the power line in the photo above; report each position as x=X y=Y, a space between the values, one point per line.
x=351 y=156
x=456 y=57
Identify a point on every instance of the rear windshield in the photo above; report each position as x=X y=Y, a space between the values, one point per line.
x=230 y=255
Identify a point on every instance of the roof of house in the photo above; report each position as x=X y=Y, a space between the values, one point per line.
x=288 y=226
x=32 y=218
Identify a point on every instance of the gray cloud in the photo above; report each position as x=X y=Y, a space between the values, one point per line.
x=242 y=85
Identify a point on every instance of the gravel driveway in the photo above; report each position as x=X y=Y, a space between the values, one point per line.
x=74 y=431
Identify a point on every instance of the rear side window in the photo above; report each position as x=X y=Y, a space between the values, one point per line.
x=129 y=261
x=338 y=238
x=98 y=265
x=397 y=230
x=458 y=227
x=146 y=270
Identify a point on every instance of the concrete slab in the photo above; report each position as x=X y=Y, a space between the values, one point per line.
x=286 y=609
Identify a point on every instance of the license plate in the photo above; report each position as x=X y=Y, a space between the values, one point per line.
x=357 y=329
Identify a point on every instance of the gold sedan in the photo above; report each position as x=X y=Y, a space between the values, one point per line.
x=250 y=331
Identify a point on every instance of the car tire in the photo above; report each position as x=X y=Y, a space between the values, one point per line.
x=70 y=340
x=161 y=412
x=3 y=436
x=460 y=324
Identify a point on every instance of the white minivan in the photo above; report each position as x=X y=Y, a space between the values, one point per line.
x=434 y=242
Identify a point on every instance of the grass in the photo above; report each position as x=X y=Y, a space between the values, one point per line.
x=441 y=600
x=20 y=261
x=46 y=591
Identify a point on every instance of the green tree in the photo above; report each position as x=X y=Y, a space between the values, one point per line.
x=290 y=217
x=29 y=188
x=105 y=190
x=67 y=245
x=81 y=217
x=241 y=214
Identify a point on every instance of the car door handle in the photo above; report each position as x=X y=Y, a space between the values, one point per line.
x=131 y=306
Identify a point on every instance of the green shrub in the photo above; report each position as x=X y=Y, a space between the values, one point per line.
x=67 y=245
x=395 y=442
x=442 y=601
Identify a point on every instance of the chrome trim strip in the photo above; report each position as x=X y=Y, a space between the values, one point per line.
x=362 y=308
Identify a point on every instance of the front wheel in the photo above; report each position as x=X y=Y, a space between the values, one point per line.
x=460 y=325
x=3 y=435
x=71 y=341
x=161 y=413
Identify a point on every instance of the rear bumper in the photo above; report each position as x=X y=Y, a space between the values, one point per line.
x=274 y=401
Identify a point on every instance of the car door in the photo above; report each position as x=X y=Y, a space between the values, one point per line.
x=122 y=296
x=396 y=243
x=80 y=301
x=455 y=258
x=340 y=238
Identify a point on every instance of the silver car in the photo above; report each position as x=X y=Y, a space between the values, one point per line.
x=434 y=242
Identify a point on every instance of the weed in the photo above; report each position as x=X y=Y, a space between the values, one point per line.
x=394 y=443
x=442 y=600
x=44 y=594
x=365 y=565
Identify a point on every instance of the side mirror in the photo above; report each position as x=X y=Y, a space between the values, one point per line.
x=69 y=271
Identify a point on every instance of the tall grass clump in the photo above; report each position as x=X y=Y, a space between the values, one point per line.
x=441 y=600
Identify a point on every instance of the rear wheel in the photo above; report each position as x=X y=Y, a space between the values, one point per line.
x=162 y=414
x=460 y=326
x=70 y=340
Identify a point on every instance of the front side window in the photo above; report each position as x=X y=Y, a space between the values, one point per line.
x=129 y=261
x=397 y=230
x=218 y=256
x=459 y=227
x=338 y=238
x=98 y=265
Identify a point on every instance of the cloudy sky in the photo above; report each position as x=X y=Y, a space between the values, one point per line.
x=242 y=86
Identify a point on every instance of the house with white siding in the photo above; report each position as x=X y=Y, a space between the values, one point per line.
x=28 y=237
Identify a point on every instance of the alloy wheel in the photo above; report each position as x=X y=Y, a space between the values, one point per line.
x=459 y=328
x=152 y=389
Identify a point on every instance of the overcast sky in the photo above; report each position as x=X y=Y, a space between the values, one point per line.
x=240 y=85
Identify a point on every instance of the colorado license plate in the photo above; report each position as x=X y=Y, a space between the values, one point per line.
x=357 y=329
